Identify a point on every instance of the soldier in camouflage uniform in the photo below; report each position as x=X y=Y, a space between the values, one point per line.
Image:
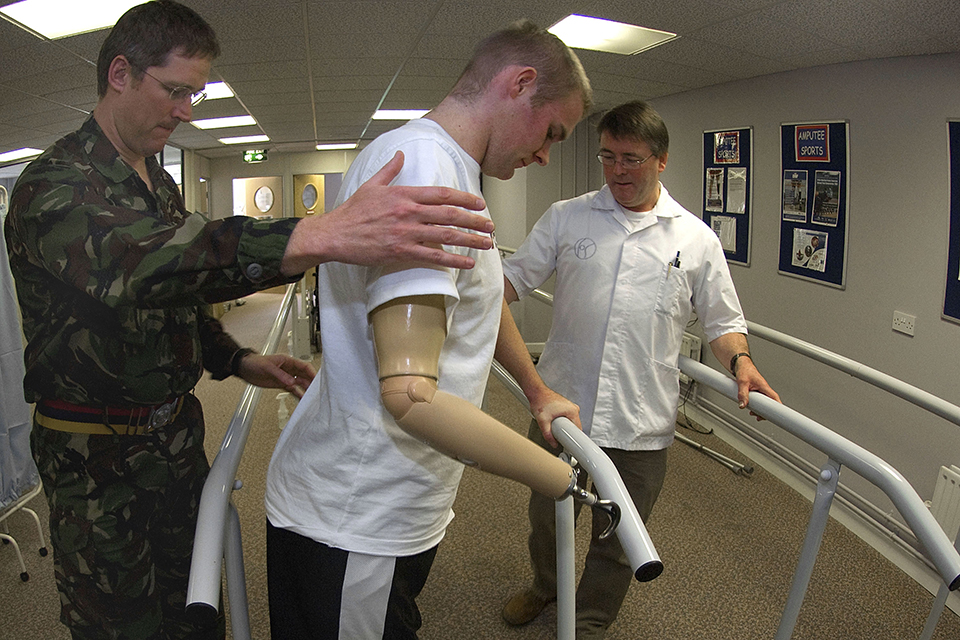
x=113 y=276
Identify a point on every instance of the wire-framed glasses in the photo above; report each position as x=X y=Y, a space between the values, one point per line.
x=180 y=93
x=627 y=162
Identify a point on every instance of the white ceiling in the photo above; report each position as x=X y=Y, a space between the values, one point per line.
x=315 y=70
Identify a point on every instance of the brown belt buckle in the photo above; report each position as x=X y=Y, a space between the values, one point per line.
x=162 y=415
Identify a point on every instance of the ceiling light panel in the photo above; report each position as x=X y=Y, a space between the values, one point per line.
x=596 y=34
x=245 y=139
x=61 y=18
x=222 y=123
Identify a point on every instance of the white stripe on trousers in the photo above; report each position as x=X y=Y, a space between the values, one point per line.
x=367 y=582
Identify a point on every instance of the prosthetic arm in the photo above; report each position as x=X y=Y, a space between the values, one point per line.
x=408 y=336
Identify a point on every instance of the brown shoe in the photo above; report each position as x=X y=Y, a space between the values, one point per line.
x=524 y=607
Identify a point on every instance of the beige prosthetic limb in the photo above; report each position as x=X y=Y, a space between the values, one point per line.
x=408 y=335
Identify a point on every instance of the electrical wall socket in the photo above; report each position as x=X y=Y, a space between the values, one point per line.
x=904 y=323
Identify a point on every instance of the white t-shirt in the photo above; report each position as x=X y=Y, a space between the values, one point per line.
x=343 y=472
x=621 y=308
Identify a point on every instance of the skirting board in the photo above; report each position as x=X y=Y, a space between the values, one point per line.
x=865 y=528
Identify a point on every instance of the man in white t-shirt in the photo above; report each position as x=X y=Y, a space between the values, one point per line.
x=632 y=265
x=361 y=485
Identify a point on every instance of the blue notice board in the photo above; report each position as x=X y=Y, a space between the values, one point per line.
x=728 y=189
x=814 y=162
x=951 y=297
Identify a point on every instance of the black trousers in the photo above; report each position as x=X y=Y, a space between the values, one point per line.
x=318 y=592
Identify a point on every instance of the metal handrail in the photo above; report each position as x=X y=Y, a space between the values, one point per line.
x=943 y=555
x=634 y=539
x=633 y=534
x=216 y=521
x=899 y=388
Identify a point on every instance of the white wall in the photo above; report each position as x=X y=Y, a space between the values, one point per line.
x=896 y=256
x=222 y=171
x=897 y=247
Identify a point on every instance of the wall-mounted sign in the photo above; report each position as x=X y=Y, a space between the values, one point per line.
x=813 y=142
x=255 y=155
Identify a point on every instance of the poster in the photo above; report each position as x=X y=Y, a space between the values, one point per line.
x=726 y=229
x=736 y=189
x=810 y=249
x=826 y=198
x=714 y=194
x=795 y=195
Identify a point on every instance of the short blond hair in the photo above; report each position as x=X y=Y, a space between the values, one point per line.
x=559 y=71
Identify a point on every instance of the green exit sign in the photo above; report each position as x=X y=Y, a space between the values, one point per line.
x=255 y=155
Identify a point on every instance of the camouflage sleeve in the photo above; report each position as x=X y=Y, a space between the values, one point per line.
x=75 y=225
x=218 y=346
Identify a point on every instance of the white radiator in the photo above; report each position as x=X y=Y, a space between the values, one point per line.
x=945 y=505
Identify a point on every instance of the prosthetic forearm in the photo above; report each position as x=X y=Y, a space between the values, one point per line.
x=409 y=334
x=460 y=430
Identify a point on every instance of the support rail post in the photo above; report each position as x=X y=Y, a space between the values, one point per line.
x=826 y=489
x=566 y=573
x=236 y=576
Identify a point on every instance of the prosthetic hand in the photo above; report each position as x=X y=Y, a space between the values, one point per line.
x=408 y=336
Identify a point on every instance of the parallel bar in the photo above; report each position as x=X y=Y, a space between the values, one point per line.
x=945 y=558
x=203 y=589
x=566 y=571
x=633 y=534
x=236 y=577
x=919 y=397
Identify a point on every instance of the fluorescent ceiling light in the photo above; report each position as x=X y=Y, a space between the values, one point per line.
x=336 y=146
x=399 y=114
x=217 y=90
x=245 y=139
x=584 y=32
x=61 y=18
x=19 y=154
x=222 y=123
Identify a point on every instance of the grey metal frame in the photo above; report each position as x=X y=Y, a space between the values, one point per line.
x=217 y=539
x=908 y=392
x=840 y=451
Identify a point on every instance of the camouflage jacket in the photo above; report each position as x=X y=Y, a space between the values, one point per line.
x=113 y=279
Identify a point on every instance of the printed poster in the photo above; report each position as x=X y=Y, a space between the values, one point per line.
x=795 y=195
x=726 y=229
x=826 y=198
x=714 y=195
x=810 y=249
x=736 y=189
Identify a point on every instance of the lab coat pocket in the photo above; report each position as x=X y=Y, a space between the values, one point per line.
x=673 y=285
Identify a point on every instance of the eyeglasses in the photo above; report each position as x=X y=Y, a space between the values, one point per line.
x=628 y=162
x=180 y=93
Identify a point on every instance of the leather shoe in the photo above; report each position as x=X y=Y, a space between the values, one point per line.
x=524 y=607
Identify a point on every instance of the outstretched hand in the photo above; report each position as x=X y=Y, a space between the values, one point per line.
x=277 y=371
x=381 y=224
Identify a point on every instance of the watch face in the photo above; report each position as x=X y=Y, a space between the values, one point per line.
x=309 y=196
x=263 y=198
